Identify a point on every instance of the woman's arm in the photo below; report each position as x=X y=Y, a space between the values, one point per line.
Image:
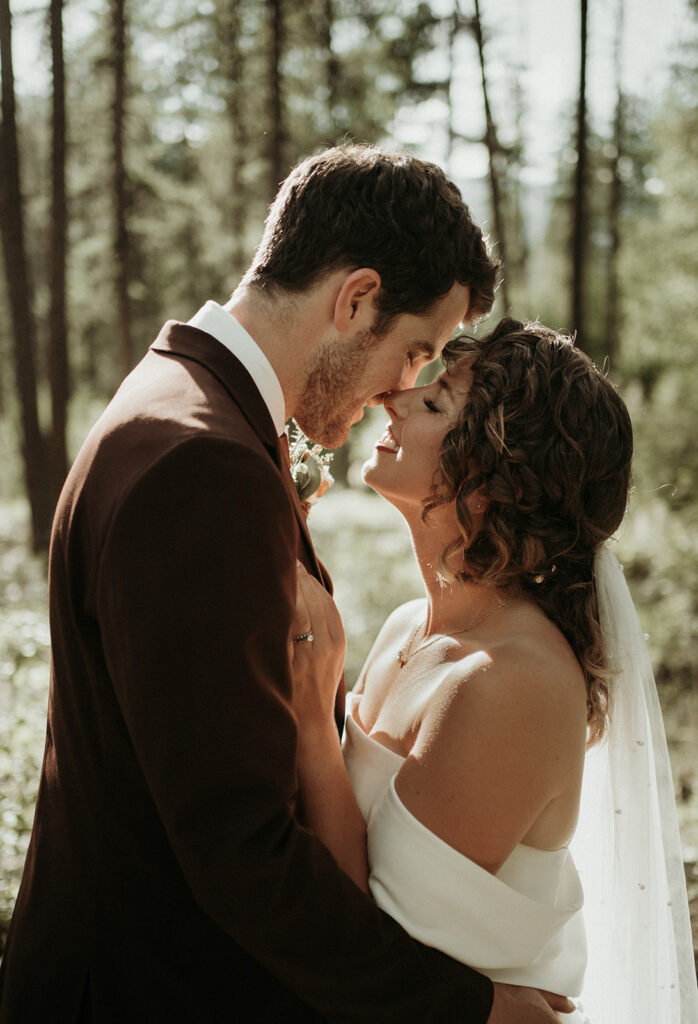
x=329 y=801
x=328 y=798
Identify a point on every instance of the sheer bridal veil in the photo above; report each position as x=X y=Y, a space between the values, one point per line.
x=627 y=848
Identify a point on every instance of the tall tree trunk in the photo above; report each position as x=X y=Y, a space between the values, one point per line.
x=19 y=292
x=332 y=68
x=276 y=127
x=580 y=225
x=58 y=328
x=613 y=311
x=518 y=249
x=121 y=236
x=494 y=152
x=233 y=64
x=451 y=134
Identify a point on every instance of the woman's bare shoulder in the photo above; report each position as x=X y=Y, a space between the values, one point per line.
x=539 y=653
x=499 y=756
x=532 y=666
x=526 y=685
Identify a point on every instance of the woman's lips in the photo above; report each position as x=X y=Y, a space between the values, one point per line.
x=387 y=443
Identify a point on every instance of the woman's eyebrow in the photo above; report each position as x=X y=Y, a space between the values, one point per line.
x=455 y=394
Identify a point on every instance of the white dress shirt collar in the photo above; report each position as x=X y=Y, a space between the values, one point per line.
x=217 y=322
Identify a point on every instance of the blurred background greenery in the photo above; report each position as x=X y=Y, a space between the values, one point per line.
x=140 y=145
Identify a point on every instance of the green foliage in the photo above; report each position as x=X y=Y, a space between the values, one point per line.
x=658 y=356
x=655 y=361
x=659 y=547
x=550 y=287
x=660 y=263
x=197 y=148
x=366 y=546
x=24 y=657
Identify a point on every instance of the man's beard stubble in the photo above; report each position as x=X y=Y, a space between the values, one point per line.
x=331 y=394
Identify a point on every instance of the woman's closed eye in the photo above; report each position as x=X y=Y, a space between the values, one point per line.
x=431 y=406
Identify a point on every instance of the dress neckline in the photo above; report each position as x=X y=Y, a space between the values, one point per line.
x=357 y=729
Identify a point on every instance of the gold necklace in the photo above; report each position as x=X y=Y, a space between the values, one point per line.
x=404 y=654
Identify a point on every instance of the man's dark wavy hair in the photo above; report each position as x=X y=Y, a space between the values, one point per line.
x=548 y=438
x=358 y=206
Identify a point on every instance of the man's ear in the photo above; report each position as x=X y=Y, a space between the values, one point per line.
x=355 y=304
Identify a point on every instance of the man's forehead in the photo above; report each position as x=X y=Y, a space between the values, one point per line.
x=457 y=302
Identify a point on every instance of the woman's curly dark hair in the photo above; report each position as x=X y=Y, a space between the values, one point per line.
x=549 y=440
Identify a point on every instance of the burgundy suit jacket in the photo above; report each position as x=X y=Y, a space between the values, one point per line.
x=170 y=876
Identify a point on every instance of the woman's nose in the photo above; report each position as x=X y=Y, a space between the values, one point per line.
x=398 y=403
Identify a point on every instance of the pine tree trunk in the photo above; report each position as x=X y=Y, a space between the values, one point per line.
x=613 y=311
x=121 y=237
x=332 y=68
x=233 y=64
x=494 y=151
x=519 y=257
x=19 y=293
x=453 y=32
x=58 y=328
x=276 y=128
x=580 y=214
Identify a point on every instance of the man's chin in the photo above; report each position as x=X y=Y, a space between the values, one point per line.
x=328 y=435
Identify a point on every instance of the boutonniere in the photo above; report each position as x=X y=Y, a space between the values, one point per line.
x=310 y=467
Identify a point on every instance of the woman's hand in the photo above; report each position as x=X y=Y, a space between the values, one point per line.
x=328 y=800
x=317 y=663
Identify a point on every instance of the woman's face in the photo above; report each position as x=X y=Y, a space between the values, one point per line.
x=405 y=460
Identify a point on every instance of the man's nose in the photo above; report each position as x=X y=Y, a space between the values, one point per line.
x=409 y=378
x=406 y=382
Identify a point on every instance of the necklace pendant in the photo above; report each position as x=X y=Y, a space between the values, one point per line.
x=406 y=652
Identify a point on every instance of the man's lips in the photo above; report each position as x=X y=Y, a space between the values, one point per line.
x=387 y=443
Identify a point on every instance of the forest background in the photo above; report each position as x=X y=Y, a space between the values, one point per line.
x=140 y=146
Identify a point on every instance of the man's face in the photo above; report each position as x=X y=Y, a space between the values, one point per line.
x=344 y=376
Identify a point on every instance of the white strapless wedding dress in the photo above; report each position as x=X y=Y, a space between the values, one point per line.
x=522 y=926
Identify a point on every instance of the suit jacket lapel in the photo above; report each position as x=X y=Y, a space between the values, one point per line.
x=191 y=343
x=300 y=515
